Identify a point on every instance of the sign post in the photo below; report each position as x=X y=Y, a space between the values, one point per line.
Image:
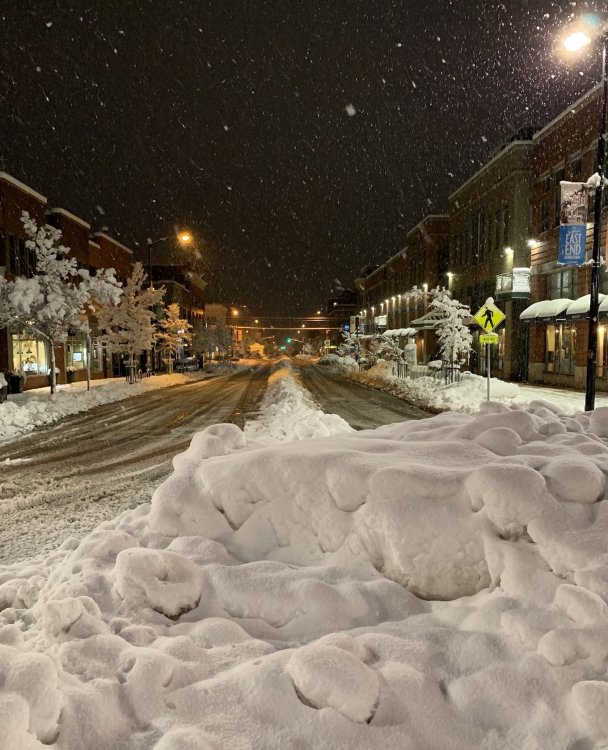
x=488 y=317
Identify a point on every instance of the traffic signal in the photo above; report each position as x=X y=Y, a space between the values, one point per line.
x=283 y=348
x=288 y=341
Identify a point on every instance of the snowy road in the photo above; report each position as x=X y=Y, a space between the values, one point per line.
x=361 y=407
x=64 y=480
x=108 y=459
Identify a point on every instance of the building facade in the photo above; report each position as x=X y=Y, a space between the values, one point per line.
x=490 y=239
x=559 y=320
x=20 y=352
x=396 y=294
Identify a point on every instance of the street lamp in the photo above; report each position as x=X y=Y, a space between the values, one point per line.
x=235 y=315
x=573 y=43
x=184 y=238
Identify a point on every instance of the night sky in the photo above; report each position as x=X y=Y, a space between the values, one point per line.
x=298 y=139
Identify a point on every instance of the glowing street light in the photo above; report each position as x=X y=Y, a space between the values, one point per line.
x=184 y=238
x=576 y=41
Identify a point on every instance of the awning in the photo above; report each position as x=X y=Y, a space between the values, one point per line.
x=397 y=332
x=604 y=307
x=428 y=321
x=431 y=320
x=546 y=310
x=579 y=309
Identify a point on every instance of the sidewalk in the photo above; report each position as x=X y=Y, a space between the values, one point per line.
x=563 y=397
x=469 y=393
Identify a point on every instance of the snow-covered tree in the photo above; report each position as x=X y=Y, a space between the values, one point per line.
x=348 y=346
x=128 y=328
x=387 y=348
x=224 y=338
x=54 y=301
x=455 y=339
x=174 y=332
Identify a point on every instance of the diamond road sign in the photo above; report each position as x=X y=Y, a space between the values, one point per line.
x=489 y=317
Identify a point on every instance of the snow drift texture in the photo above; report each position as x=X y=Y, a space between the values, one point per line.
x=431 y=585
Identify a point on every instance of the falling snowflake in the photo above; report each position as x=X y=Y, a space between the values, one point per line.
x=350 y=110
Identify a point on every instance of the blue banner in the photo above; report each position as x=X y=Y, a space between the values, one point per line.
x=572 y=239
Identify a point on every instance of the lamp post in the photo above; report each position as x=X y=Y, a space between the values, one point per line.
x=235 y=315
x=184 y=238
x=573 y=43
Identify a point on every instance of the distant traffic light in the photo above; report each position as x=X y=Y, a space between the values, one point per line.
x=288 y=341
x=283 y=348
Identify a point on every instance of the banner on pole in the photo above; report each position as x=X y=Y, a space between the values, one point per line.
x=573 y=223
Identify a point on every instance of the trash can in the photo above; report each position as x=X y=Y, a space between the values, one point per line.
x=15 y=383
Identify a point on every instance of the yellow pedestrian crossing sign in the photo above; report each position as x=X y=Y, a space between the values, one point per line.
x=489 y=316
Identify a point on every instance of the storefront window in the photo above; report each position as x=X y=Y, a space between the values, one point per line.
x=96 y=356
x=602 y=352
x=561 y=344
x=29 y=355
x=76 y=353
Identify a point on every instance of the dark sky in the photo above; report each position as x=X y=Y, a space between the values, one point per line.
x=299 y=139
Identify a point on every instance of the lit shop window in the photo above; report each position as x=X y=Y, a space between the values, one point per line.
x=76 y=353
x=561 y=346
x=29 y=355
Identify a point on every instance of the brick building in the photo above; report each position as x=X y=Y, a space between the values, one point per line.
x=565 y=149
x=396 y=294
x=490 y=237
x=23 y=353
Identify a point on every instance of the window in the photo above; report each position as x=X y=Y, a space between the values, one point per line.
x=76 y=353
x=544 y=215
x=560 y=175
x=545 y=184
x=478 y=237
x=491 y=232
x=576 y=169
x=561 y=344
x=506 y=229
x=31 y=261
x=29 y=355
x=497 y=228
x=13 y=254
x=22 y=260
x=561 y=284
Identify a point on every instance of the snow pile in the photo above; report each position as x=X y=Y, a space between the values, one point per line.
x=24 y=412
x=466 y=395
x=348 y=363
x=288 y=412
x=289 y=595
